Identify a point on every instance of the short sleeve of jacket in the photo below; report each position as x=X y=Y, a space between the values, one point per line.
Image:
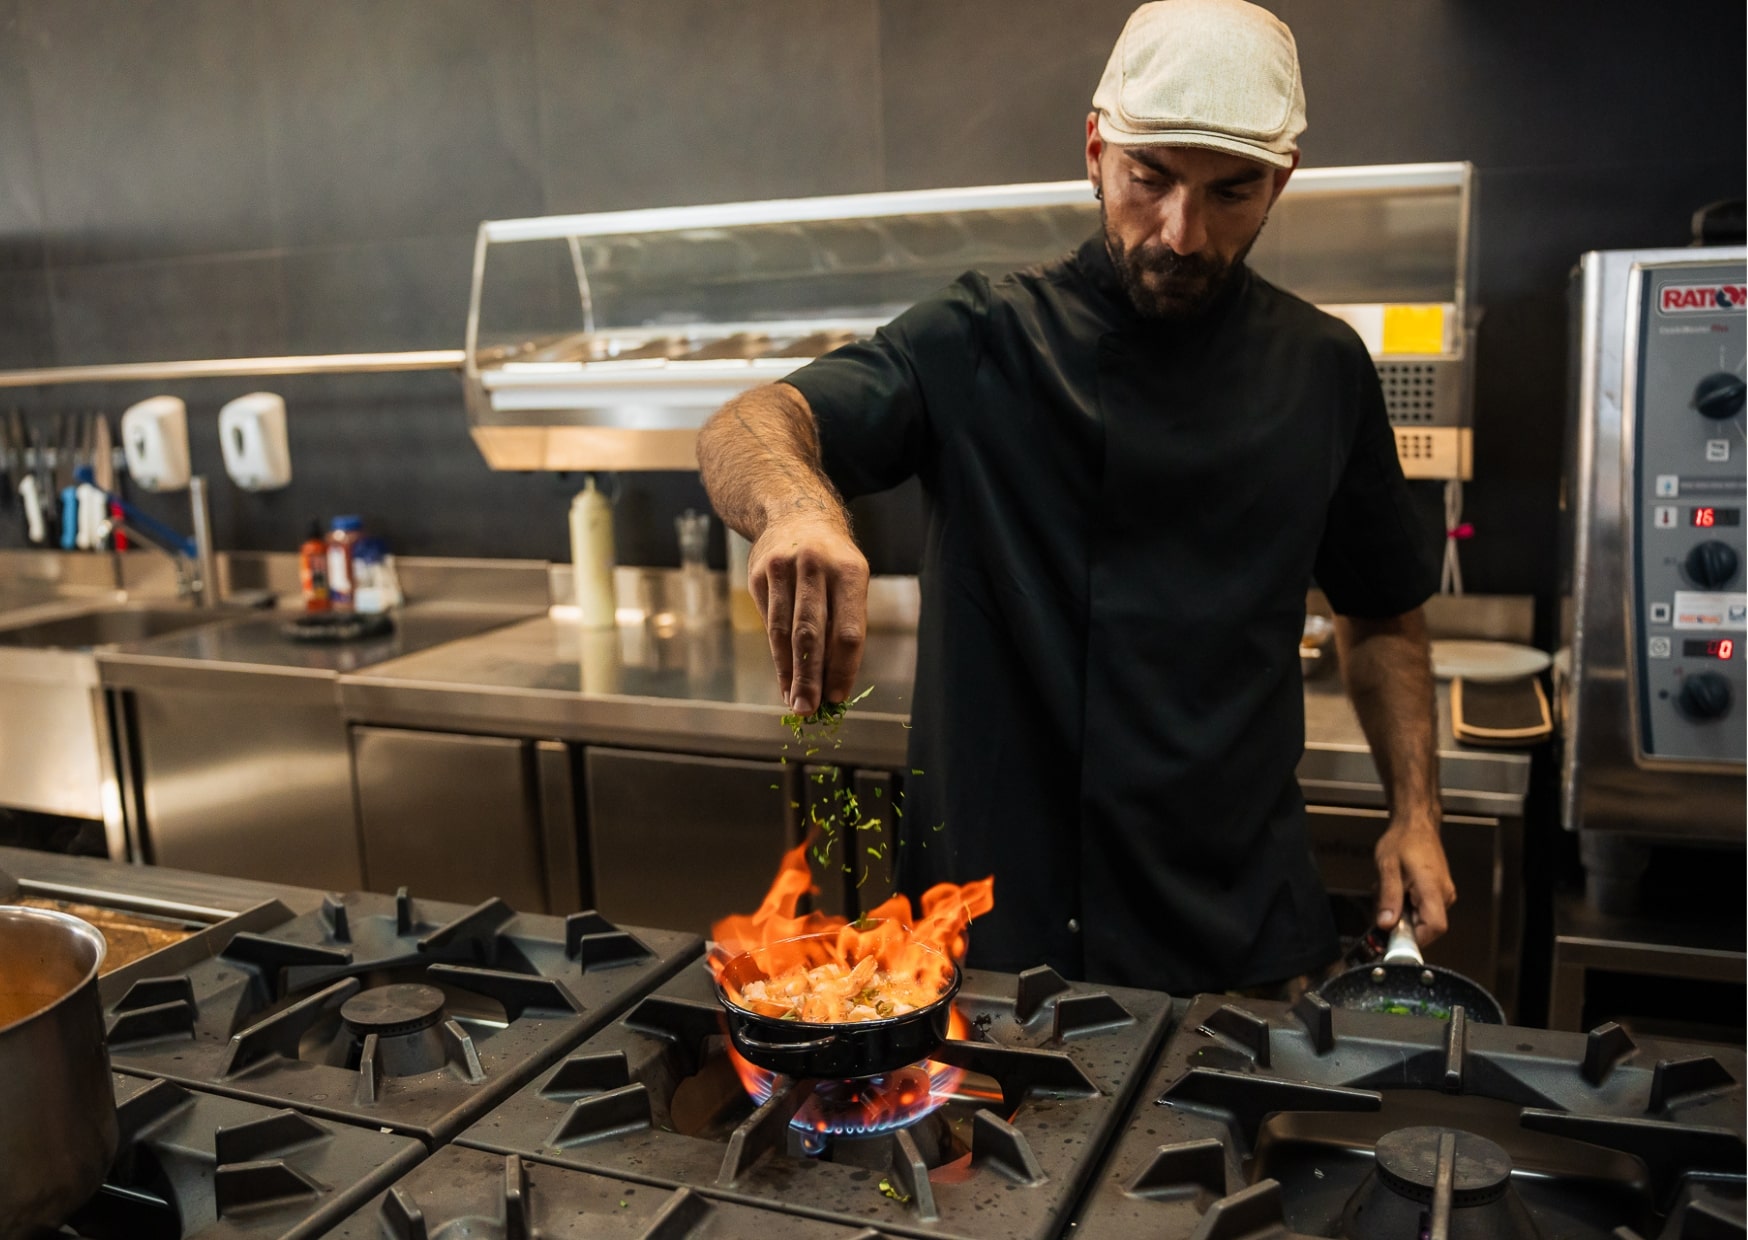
x=882 y=404
x=1376 y=558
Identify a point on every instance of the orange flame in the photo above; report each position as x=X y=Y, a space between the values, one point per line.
x=919 y=950
x=947 y=910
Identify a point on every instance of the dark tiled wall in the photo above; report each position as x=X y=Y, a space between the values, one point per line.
x=192 y=178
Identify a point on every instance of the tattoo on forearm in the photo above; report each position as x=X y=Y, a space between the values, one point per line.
x=759 y=456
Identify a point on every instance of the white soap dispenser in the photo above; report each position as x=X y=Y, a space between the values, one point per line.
x=592 y=557
x=256 y=447
x=154 y=438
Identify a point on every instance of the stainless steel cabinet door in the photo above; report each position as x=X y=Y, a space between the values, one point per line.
x=450 y=817
x=250 y=784
x=51 y=747
x=677 y=841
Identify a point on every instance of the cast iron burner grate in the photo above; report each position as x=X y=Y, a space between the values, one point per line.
x=1048 y=1067
x=414 y=1016
x=499 y=1196
x=1304 y=1121
x=197 y=1166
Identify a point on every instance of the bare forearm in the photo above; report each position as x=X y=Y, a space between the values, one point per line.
x=1388 y=672
x=759 y=459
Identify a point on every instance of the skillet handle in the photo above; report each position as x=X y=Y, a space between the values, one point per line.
x=1402 y=949
x=815 y=1044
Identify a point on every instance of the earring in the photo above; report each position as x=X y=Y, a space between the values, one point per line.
x=1099 y=192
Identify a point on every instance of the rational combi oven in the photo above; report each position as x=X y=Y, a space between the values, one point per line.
x=1655 y=611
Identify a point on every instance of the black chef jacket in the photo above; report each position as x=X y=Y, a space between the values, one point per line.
x=1124 y=518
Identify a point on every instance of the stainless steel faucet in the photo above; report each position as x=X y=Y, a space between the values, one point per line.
x=206 y=594
x=197 y=574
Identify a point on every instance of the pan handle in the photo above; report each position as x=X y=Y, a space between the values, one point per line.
x=1402 y=948
x=808 y=1047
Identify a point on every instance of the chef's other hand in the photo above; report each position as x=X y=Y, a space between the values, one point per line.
x=1411 y=859
x=811 y=584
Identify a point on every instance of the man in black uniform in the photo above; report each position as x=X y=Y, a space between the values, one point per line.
x=1137 y=459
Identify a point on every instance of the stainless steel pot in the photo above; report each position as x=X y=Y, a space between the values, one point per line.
x=57 y=1109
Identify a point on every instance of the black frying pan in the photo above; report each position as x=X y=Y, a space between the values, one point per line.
x=836 y=1051
x=1403 y=984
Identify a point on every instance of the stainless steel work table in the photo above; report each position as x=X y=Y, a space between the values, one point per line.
x=713 y=691
x=374 y=750
x=255 y=646
x=234 y=754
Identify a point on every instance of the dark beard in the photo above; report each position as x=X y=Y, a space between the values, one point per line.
x=1184 y=285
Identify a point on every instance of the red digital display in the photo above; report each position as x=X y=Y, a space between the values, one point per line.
x=1723 y=648
x=1705 y=518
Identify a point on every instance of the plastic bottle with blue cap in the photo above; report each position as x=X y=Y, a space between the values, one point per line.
x=344 y=534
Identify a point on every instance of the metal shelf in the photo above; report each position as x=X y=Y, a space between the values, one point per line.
x=237 y=368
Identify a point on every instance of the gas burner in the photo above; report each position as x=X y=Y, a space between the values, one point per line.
x=1421 y=1163
x=851 y=1109
x=413 y=1016
x=459 y=1191
x=402 y=1030
x=1005 y=1151
x=196 y=1166
x=393 y=1011
x=1437 y=1179
x=856 y=1122
x=1318 y=1122
x=871 y=1105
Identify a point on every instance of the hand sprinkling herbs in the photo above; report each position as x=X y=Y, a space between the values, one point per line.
x=836 y=822
x=828 y=718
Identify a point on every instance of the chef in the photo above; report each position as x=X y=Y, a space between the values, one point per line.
x=1137 y=458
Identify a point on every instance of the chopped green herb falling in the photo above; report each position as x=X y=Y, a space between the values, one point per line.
x=829 y=717
x=831 y=822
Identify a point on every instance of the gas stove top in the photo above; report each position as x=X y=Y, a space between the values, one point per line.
x=1261 y=1119
x=462 y=1192
x=408 y=1070
x=1048 y=1070
x=396 y=1013
x=196 y=1166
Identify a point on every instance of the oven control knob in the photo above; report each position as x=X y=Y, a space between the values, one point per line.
x=1711 y=565
x=1719 y=395
x=1705 y=695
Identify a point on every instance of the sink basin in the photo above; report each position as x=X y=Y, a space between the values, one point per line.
x=105 y=628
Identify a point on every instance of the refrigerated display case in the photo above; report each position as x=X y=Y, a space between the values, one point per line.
x=604 y=341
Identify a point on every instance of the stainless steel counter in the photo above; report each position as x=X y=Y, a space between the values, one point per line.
x=481 y=654
x=713 y=691
x=373 y=764
x=1337 y=768
x=240 y=752
x=256 y=645
x=707 y=691
x=487 y=657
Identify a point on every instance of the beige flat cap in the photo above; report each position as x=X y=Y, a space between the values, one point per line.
x=1220 y=74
